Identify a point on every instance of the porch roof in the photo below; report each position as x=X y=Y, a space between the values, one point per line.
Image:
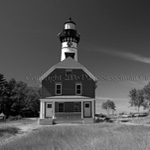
x=67 y=98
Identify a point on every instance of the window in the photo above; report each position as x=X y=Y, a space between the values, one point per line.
x=70 y=55
x=68 y=72
x=58 y=89
x=87 y=105
x=78 y=89
x=49 y=105
x=60 y=107
x=77 y=107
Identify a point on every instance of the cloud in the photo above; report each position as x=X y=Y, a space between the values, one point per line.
x=136 y=84
x=127 y=55
x=116 y=100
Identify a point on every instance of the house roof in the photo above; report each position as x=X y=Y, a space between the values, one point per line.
x=68 y=63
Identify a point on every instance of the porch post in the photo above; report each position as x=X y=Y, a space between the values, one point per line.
x=81 y=109
x=53 y=110
x=41 y=109
x=92 y=108
x=43 y=112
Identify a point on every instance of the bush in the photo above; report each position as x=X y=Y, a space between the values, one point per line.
x=10 y=118
x=97 y=120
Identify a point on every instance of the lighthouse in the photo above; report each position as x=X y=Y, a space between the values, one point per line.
x=68 y=88
x=69 y=39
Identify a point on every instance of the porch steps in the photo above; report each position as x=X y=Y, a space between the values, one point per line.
x=48 y=121
x=68 y=120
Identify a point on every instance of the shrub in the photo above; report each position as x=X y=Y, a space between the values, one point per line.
x=11 y=118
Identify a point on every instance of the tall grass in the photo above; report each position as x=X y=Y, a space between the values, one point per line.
x=9 y=130
x=103 y=136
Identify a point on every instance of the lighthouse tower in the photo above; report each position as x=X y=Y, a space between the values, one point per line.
x=69 y=39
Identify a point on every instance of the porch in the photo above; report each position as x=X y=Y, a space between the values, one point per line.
x=67 y=110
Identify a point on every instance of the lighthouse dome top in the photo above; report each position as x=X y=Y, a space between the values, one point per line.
x=69 y=24
x=69 y=33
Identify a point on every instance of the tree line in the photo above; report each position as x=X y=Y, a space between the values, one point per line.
x=140 y=97
x=17 y=98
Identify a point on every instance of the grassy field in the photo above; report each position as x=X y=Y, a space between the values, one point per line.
x=10 y=129
x=7 y=131
x=103 y=136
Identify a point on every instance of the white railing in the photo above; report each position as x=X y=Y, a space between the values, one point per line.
x=68 y=115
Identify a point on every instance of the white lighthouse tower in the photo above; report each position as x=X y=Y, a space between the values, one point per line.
x=69 y=39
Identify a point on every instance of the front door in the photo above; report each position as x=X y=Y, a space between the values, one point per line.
x=49 y=110
x=87 y=109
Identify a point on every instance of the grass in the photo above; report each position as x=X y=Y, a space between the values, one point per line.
x=11 y=128
x=7 y=131
x=102 y=136
x=141 y=120
x=21 y=121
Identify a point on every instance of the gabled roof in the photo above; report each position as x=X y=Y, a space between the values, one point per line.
x=68 y=63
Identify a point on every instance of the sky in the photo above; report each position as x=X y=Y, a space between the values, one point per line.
x=114 y=43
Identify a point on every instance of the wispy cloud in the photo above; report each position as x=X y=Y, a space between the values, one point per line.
x=136 y=84
x=117 y=100
x=127 y=55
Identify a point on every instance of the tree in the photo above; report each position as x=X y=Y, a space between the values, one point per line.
x=109 y=106
x=16 y=98
x=32 y=103
x=3 y=92
x=146 y=90
x=19 y=96
x=137 y=98
x=10 y=95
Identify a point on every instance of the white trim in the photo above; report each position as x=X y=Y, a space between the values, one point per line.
x=41 y=109
x=56 y=88
x=92 y=109
x=53 y=110
x=68 y=97
x=82 y=109
x=66 y=100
